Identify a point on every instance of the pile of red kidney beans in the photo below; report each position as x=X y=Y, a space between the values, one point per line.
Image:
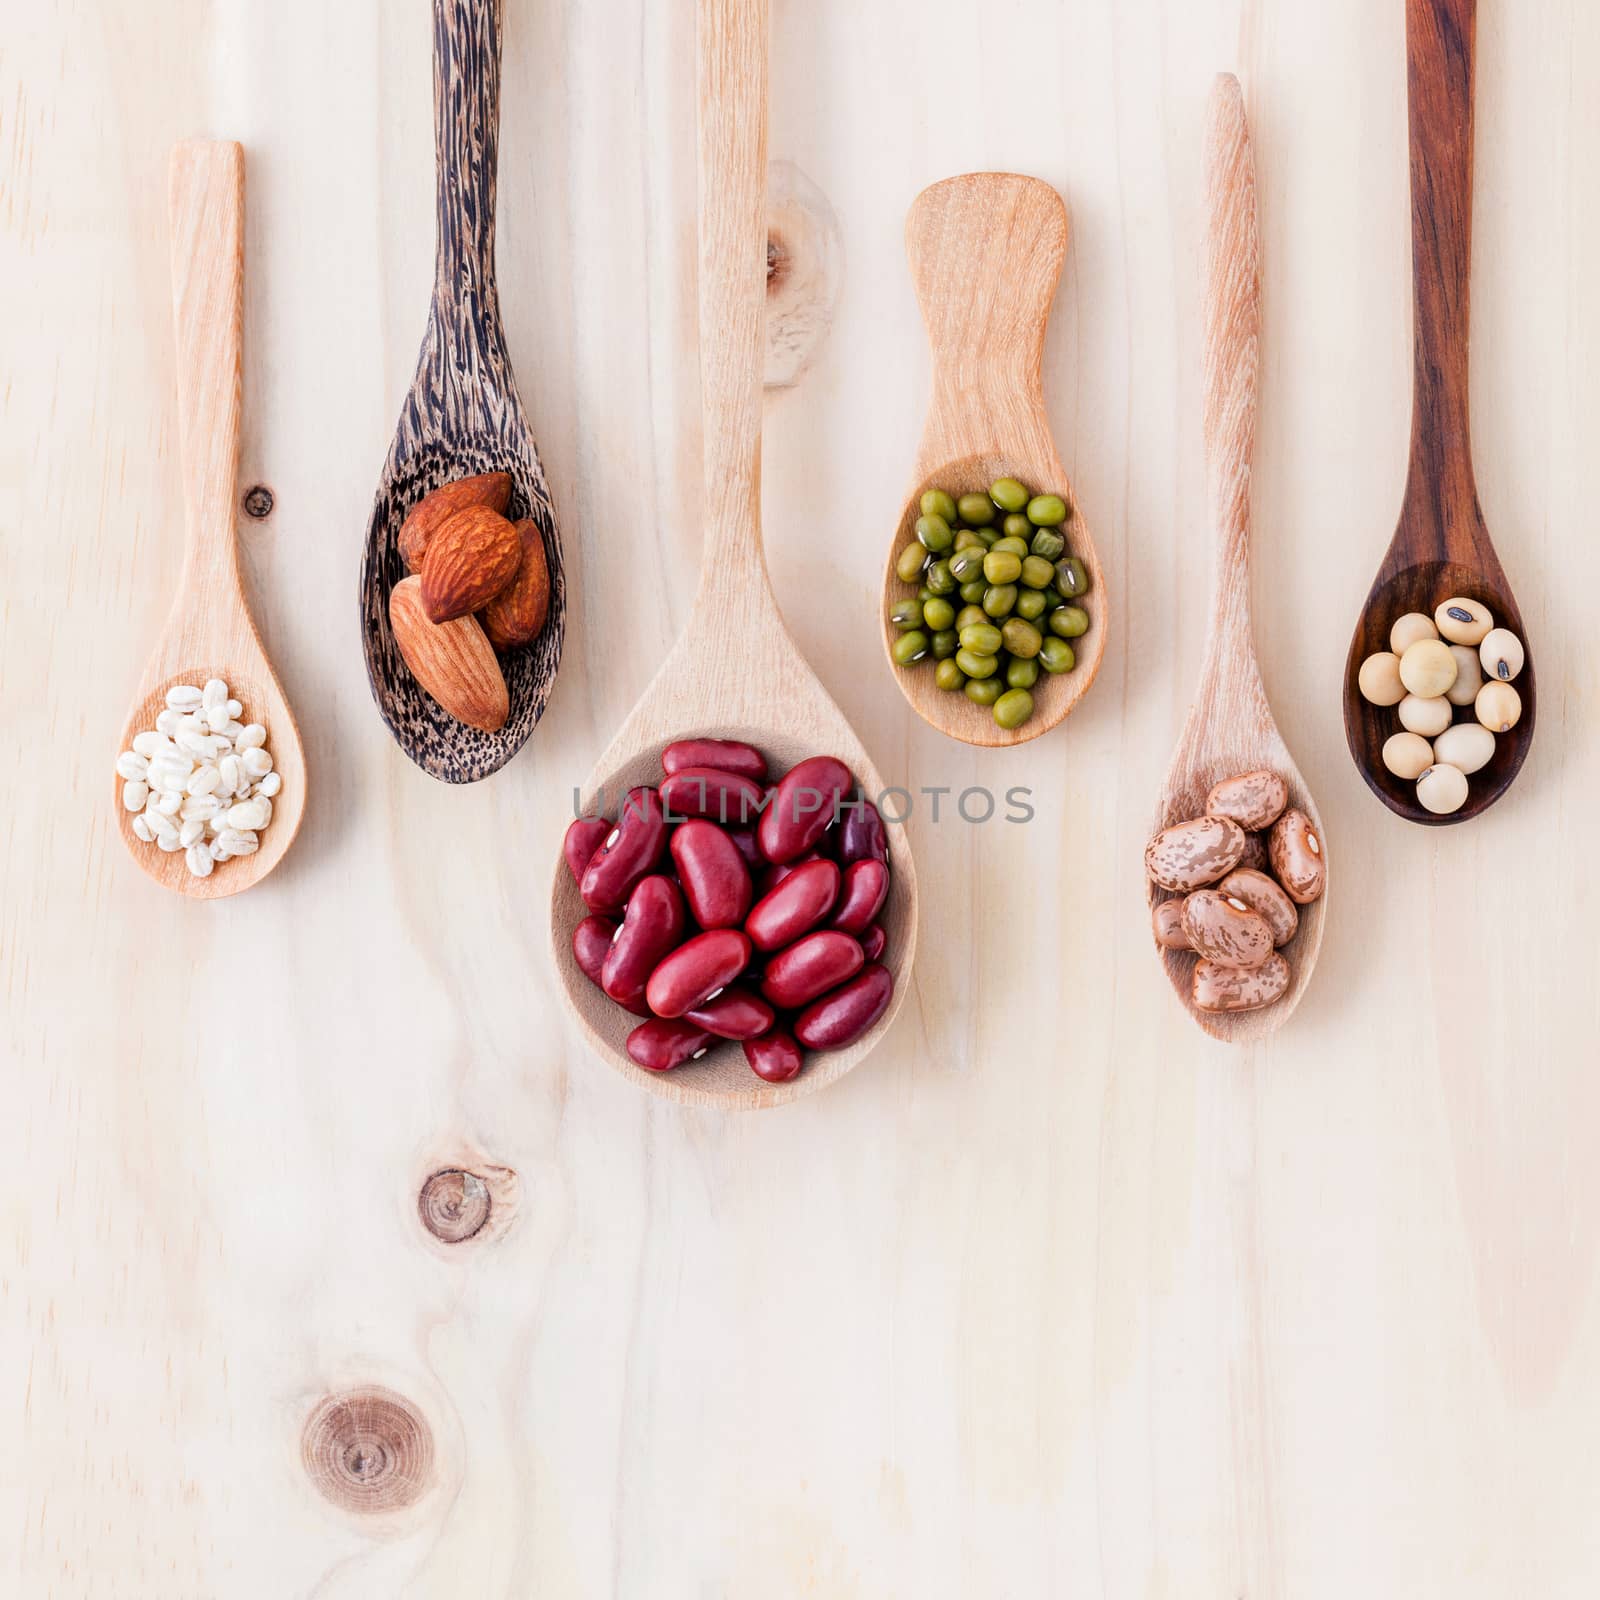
x=723 y=906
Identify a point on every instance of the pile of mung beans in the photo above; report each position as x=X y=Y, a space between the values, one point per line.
x=995 y=591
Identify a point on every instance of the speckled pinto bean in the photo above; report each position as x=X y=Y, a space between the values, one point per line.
x=1218 y=988
x=1266 y=899
x=838 y=1019
x=873 y=942
x=861 y=836
x=726 y=797
x=628 y=852
x=800 y=901
x=660 y=1045
x=734 y=1014
x=815 y=964
x=716 y=882
x=866 y=887
x=776 y=1057
x=697 y=970
x=582 y=840
x=1255 y=852
x=1189 y=855
x=725 y=755
x=651 y=926
x=803 y=807
x=1166 y=922
x=1255 y=800
x=1297 y=858
x=1226 y=931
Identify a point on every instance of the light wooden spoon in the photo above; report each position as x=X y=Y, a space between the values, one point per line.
x=463 y=415
x=1230 y=728
x=210 y=632
x=735 y=672
x=986 y=251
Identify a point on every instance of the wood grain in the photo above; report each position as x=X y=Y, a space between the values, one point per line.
x=1441 y=548
x=986 y=250
x=463 y=415
x=1230 y=728
x=1054 y=1296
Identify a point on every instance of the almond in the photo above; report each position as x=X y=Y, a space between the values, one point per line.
x=517 y=613
x=471 y=558
x=492 y=489
x=453 y=661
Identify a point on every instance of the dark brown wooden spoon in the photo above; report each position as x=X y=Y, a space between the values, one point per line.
x=463 y=415
x=1441 y=547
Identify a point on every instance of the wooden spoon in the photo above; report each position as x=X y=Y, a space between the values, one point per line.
x=1230 y=728
x=986 y=251
x=210 y=632
x=735 y=672
x=463 y=415
x=1441 y=547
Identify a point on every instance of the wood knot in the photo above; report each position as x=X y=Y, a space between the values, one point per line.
x=454 y=1205
x=368 y=1450
x=777 y=263
x=258 y=502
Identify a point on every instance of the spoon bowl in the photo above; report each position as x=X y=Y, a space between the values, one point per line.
x=1230 y=728
x=463 y=416
x=1367 y=727
x=986 y=312
x=210 y=632
x=1441 y=546
x=735 y=672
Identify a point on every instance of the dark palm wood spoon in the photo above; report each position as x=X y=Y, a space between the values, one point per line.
x=1441 y=547
x=463 y=415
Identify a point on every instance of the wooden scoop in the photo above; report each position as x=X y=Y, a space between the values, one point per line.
x=735 y=672
x=210 y=632
x=1230 y=728
x=462 y=417
x=1441 y=547
x=986 y=251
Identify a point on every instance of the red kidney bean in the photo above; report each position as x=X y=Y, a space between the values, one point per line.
x=803 y=808
x=734 y=1014
x=861 y=836
x=696 y=970
x=726 y=797
x=726 y=755
x=582 y=840
x=744 y=841
x=591 y=941
x=776 y=1057
x=873 y=941
x=866 y=887
x=651 y=927
x=840 y=1018
x=775 y=874
x=802 y=898
x=628 y=852
x=716 y=881
x=660 y=1045
x=817 y=963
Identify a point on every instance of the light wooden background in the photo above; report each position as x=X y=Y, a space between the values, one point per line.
x=1051 y=1297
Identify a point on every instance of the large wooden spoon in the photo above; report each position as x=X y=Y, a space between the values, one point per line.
x=463 y=415
x=210 y=632
x=1441 y=547
x=735 y=672
x=986 y=250
x=1230 y=729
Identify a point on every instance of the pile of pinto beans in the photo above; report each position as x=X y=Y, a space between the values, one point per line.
x=724 y=906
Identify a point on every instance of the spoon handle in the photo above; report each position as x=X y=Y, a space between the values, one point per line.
x=1440 y=36
x=466 y=142
x=206 y=205
x=1233 y=329
x=733 y=232
x=986 y=250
